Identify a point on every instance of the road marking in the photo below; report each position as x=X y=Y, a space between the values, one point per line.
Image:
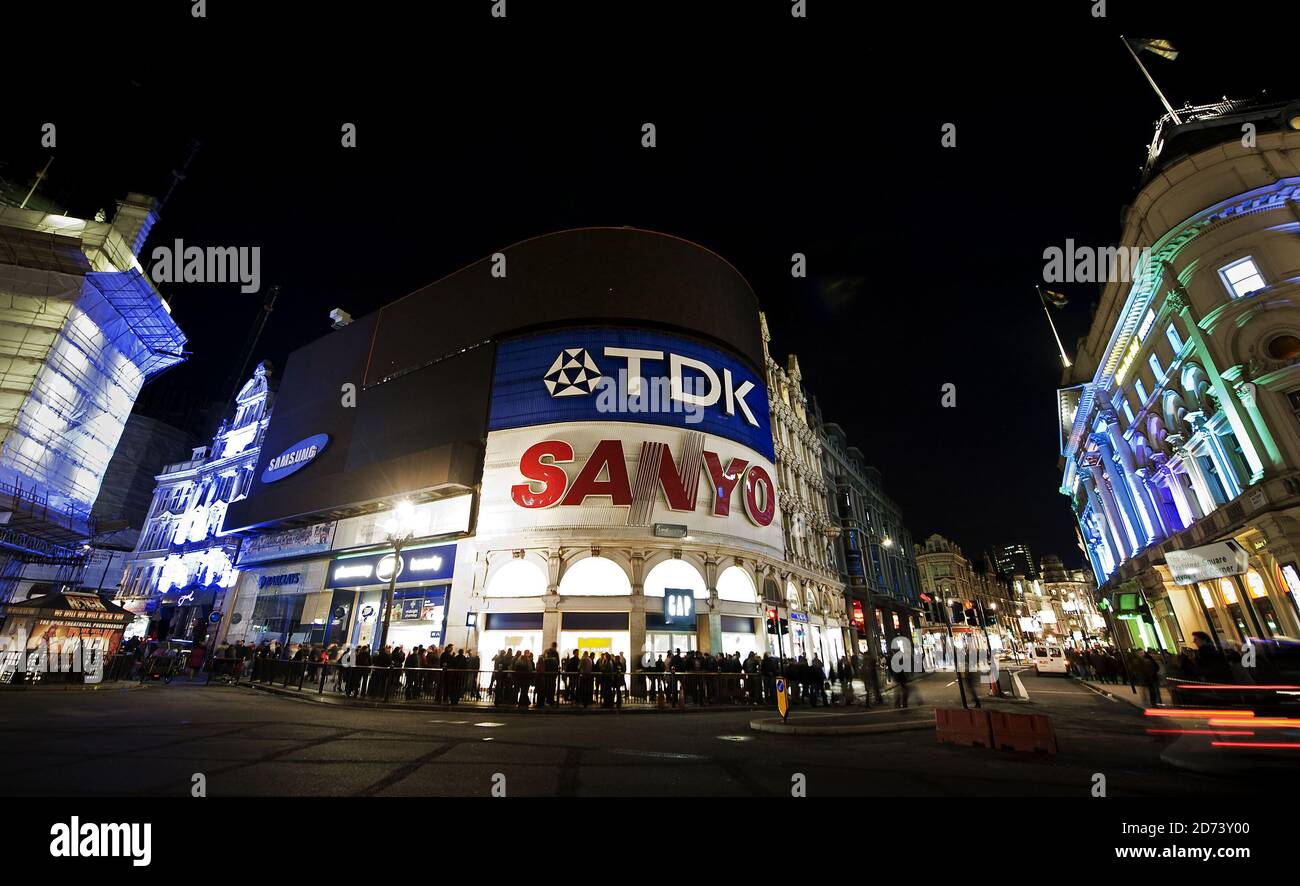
x=489 y=724
x=1105 y=695
x=666 y=755
x=736 y=737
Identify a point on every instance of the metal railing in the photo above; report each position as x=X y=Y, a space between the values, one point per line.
x=524 y=689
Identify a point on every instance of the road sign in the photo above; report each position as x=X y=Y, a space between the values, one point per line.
x=782 y=700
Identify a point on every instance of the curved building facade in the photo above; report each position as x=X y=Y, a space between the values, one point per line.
x=1180 y=432
x=588 y=455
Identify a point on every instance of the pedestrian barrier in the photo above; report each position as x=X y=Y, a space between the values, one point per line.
x=1022 y=732
x=671 y=690
x=967 y=728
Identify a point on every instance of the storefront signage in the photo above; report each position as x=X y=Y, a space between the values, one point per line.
x=417 y=564
x=295 y=458
x=859 y=617
x=288 y=578
x=1217 y=560
x=799 y=616
x=628 y=375
x=290 y=543
x=679 y=606
x=547 y=483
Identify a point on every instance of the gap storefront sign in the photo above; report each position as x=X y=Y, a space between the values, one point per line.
x=604 y=375
x=425 y=564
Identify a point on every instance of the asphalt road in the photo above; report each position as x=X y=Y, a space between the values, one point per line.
x=151 y=741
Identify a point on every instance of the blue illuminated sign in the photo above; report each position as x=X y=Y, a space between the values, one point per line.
x=295 y=458
x=627 y=375
x=433 y=563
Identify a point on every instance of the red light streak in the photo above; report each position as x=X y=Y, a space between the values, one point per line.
x=1195 y=714
x=1292 y=745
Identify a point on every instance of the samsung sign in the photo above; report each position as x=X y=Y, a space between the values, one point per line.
x=625 y=375
x=295 y=458
x=417 y=564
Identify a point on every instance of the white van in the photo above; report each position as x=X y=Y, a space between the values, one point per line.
x=1048 y=660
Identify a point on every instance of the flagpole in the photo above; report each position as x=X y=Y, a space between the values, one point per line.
x=1065 y=361
x=1164 y=101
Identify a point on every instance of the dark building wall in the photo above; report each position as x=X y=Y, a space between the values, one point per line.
x=145 y=447
x=422 y=366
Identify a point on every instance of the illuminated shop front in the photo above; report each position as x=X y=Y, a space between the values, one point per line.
x=626 y=530
x=621 y=475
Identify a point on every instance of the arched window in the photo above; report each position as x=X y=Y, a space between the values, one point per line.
x=734 y=584
x=675 y=574
x=792 y=596
x=595 y=577
x=518 y=578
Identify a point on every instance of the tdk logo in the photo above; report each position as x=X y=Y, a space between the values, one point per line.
x=690 y=385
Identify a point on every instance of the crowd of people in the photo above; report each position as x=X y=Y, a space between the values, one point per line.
x=1203 y=662
x=519 y=678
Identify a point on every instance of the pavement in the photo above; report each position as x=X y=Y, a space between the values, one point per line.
x=153 y=741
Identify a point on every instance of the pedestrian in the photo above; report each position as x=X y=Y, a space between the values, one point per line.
x=1150 y=671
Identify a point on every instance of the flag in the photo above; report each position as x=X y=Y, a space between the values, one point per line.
x=1057 y=300
x=1162 y=48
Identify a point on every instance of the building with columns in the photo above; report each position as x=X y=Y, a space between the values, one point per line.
x=1181 y=415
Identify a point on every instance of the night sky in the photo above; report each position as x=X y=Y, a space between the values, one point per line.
x=775 y=136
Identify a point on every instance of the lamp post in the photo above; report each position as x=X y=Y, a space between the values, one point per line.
x=400 y=528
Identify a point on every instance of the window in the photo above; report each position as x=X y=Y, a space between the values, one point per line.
x=1154 y=362
x=1175 y=340
x=1294 y=397
x=1242 y=277
x=1141 y=390
x=1128 y=412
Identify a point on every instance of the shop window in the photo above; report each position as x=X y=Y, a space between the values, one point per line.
x=675 y=574
x=734 y=584
x=595 y=577
x=1242 y=277
x=518 y=578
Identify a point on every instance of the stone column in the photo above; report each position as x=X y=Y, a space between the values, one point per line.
x=1136 y=485
x=1247 y=434
x=1123 y=547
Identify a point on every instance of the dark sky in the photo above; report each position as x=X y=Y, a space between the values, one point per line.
x=775 y=136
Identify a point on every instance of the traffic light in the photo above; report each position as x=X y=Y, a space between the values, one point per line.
x=771 y=621
x=972 y=616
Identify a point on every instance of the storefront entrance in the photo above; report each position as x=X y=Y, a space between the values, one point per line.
x=595 y=632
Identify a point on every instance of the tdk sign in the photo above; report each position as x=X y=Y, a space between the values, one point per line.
x=295 y=458
x=625 y=375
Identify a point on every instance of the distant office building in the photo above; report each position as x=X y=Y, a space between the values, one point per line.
x=1015 y=560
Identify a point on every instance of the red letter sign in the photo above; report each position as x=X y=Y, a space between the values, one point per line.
x=608 y=454
x=760 y=496
x=724 y=482
x=552 y=477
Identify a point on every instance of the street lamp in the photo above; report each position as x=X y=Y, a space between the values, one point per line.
x=400 y=528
